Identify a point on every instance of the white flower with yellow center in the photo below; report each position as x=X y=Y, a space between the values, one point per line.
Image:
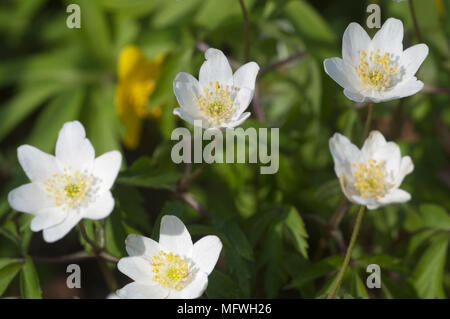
x=174 y=268
x=370 y=176
x=377 y=70
x=219 y=98
x=66 y=187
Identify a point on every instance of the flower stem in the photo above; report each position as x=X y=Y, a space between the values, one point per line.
x=368 y=121
x=415 y=22
x=348 y=255
x=101 y=259
x=274 y=65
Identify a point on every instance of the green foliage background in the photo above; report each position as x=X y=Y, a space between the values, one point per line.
x=271 y=226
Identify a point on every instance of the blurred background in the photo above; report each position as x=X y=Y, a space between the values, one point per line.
x=115 y=73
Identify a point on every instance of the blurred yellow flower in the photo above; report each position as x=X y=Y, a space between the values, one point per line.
x=137 y=80
x=440 y=7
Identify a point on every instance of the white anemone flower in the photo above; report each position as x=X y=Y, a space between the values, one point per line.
x=66 y=187
x=377 y=70
x=174 y=268
x=219 y=99
x=370 y=176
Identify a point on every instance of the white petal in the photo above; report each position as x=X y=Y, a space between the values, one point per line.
x=60 y=230
x=339 y=71
x=406 y=167
x=391 y=155
x=139 y=291
x=137 y=245
x=215 y=68
x=405 y=89
x=239 y=121
x=188 y=118
x=245 y=76
x=106 y=168
x=373 y=205
x=47 y=217
x=206 y=253
x=174 y=237
x=395 y=196
x=356 y=96
x=344 y=154
x=194 y=290
x=138 y=269
x=101 y=207
x=354 y=40
x=73 y=148
x=374 y=141
x=187 y=90
x=363 y=201
x=37 y=165
x=389 y=38
x=29 y=198
x=413 y=58
x=242 y=101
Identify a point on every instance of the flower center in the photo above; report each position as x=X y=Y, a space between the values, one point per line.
x=71 y=190
x=370 y=179
x=169 y=270
x=216 y=103
x=375 y=70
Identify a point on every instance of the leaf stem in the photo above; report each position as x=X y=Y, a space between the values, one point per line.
x=348 y=255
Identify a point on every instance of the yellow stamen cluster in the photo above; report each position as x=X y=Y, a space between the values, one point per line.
x=375 y=70
x=216 y=103
x=68 y=189
x=169 y=270
x=370 y=179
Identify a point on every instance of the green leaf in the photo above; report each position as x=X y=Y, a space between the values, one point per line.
x=240 y=269
x=238 y=240
x=222 y=286
x=22 y=104
x=173 y=64
x=295 y=227
x=358 y=286
x=173 y=12
x=143 y=173
x=29 y=281
x=131 y=7
x=274 y=273
x=94 y=29
x=115 y=234
x=429 y=273
x=63 y=108
x=435 y=216
x=102 y=123
x=317 y=270
x=89 y=227
x=429 y=216
x=9 y=231
x=7 y=273
x=309 y=24
x=384 y=261
x=8 y=261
